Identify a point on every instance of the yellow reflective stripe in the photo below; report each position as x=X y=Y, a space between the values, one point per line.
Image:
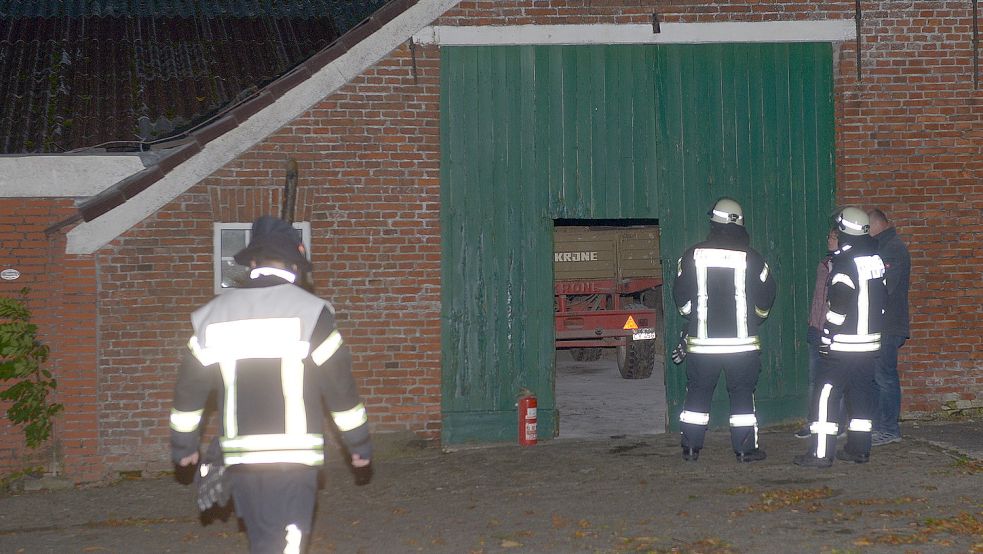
x=743 y=420
x=723 y=340
x=869 y=268
x=228 y=370
x=764 y=274
x=292 y=384
x=305 y=457
x=722 y=349
x=694 y=418
x=679 y=267
x=327 y=348
x=253 y=339
x=843 y=278
x=185 y=422
x=197 y=352
x=872 y=337
x=761 y=313
x=687 y=308
x=294 y=539
x=862 y=425
x=835 y=318
x=706 y=258
x=350 y=419
x=822 y=426
x=850 y=347
x=307 y=441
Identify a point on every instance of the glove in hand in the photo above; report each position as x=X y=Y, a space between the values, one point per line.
x=679 y=353
x=214 y=486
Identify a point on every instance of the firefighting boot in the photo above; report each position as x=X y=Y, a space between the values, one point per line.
x=846 y=456
x=755 y=455
x=691 y=454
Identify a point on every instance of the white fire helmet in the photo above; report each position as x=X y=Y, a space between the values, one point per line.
x=727 y=210
x=853 y=221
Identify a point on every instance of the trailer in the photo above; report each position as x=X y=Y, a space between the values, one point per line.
x=608 y=294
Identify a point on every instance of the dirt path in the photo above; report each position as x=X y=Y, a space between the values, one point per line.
x=617 y=495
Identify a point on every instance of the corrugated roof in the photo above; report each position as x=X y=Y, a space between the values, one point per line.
x=303 y=9
x=118 y=73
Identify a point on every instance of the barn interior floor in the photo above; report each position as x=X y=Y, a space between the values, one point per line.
x=595 y=402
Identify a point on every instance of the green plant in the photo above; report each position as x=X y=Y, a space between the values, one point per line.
x=21 y=356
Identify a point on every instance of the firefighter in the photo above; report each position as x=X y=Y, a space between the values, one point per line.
x=850 y=338
x=725 y=290
x=272 y=354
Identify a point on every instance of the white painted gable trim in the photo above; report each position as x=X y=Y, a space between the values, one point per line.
x=60 y=176
x=832 y=30
x=88 y=237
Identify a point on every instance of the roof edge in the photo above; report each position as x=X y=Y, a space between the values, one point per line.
x=250 y=122
x=64 y=175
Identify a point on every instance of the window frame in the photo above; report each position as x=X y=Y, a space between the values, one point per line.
x=217 y=260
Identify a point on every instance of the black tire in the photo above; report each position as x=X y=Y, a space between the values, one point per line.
x=586 y=354
x=636 y=359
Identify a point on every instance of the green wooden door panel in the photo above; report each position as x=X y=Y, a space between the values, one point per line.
x=534 y=133
x=755 y=122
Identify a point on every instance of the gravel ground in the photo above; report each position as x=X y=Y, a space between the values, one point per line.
x=620 y=494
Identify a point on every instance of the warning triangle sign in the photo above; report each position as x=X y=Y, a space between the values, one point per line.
x=630 y=324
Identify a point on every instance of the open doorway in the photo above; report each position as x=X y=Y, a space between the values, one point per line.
x=609 y=363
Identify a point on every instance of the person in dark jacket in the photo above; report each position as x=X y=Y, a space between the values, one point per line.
x=272 y=355
x=897 y=264
x=725 y=290
x=817 y=316
x=850 y=344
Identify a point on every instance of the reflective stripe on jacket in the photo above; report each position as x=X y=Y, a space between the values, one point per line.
x=856 y=298
x=275 y=360
x=725 y=291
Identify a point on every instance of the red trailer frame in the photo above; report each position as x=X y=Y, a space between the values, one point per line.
x=606 y=322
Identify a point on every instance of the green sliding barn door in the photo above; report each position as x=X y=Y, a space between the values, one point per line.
x=530 y=134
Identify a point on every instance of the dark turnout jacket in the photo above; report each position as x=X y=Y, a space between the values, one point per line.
x=275 y=361
x=856 y=297
x=897 y=264
x=725 y=290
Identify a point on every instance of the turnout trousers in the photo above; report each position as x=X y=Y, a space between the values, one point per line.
x=843 y=374
x=276 y=503
x=702 y=372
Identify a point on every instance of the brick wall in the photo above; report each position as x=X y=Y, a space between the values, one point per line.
x=909 y=140
x=61 y=301
x=576 y=12
x=368 y=168
x=909 y=137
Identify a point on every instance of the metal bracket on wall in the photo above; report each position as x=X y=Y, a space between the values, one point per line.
x=289 y=192
x=413 y=57
x=976 y=45
x=656 y=28
x=858 y=17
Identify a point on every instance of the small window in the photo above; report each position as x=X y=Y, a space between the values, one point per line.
x=229 y=239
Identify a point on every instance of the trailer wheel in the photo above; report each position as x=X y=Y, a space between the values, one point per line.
x=586 y=354
x=636 y=359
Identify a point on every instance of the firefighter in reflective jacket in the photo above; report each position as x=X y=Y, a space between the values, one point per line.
x=724 y=289
x=850 y=344
x=272 y=354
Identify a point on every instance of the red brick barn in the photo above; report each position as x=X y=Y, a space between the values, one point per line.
x=435 y=145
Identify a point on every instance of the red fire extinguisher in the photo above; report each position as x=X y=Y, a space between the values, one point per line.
x=527 y=418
